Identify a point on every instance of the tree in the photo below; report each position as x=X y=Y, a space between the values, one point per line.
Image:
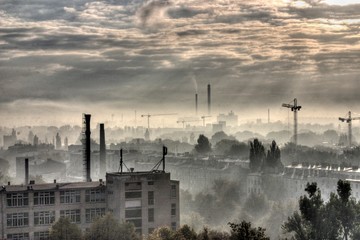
x=218 y=136
x=63 y=229
x=108 y=228
x=273 y=158
x=345 y=206
x=209 y=234
x=257 y=155
x=244 y=231
x=337 y=219
x=203 y=145
x=161 y=233
x=185 y=233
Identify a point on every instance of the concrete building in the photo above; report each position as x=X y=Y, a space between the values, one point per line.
x=9 y=140
x=231 y=119
x=147 y=199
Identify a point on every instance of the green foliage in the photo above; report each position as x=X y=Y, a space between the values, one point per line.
x=231 y=148
x=165 y=233
x=63 y=229
x=108 y=228
x=257 y=155
x=209 y=234
x=337 y=219
x=244 y=231
x=203 y=145
x=273 y=156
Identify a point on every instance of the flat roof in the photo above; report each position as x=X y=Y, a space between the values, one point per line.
x=157 y=172
x=51 y=186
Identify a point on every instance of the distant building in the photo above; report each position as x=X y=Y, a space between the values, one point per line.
x=58 y=142
x=10 y=140
x=146 y=199
x=231 y=119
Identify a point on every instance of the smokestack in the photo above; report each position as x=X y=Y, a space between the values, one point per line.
x=209 y=98
x=87 y=149
x=196 y=104
x=102 y=151
x=26 y=171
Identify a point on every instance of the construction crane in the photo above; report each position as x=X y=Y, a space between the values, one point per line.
x=295 y=108
x=186 y=121
x=203 y=118
x=349 y=119
x=155 y=115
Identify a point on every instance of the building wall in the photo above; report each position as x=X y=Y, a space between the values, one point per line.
x=148 y=199
x=131 y=199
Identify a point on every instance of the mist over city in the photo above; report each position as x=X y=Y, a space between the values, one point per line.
x=179 y=119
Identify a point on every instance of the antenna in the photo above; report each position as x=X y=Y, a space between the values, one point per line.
x=163 y=159
x=122 y=162
x=156 y=167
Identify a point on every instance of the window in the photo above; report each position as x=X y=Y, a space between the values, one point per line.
x=73 y=215
x=92 y=213
x=70 y=196
x=137 y=222
x=44 y=198
x=133 y=213
x=44 y=218
x=41 y=235
x=151 y=215
x=17 y=199
x=133 y=195
x=173 y=226
x=151 y=198
x=18 y=236
x=150 y=183
x=95 y=195
x=173 y=209
x=17 y=219
x=132 y=203
x=173 y=191
x=132 y=186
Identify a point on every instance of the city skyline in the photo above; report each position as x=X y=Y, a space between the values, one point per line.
x=60 y=59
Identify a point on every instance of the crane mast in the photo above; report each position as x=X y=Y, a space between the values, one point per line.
x=349 y=120
x=203 y=118
x=294 y=108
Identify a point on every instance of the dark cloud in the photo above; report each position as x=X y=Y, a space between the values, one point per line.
x=125 y=54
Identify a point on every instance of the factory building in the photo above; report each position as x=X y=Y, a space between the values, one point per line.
x=146 y=199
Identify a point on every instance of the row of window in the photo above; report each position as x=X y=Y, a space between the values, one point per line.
x=48 y=198
x=48 y=217
x=25 y=236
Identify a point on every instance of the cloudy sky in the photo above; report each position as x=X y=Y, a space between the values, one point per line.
x=59 y=59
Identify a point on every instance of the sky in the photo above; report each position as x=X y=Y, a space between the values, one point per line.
x=59 y=59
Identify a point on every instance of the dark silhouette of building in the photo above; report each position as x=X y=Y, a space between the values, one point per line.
x=58 y=141
x=10 y=140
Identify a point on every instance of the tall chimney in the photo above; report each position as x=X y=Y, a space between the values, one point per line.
x=87 y=150
x=102 y=151
x=26 y=171
x=209 y=98
x=196 y=104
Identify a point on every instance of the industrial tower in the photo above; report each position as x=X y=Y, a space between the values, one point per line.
x=295 y=108
x=86 y=142
x=349 y=120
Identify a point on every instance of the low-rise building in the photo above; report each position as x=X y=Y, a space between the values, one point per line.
x=146 y=199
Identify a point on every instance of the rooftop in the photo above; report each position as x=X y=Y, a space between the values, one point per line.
x=51 y=186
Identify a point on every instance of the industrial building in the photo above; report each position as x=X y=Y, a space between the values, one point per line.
x=146 y=199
